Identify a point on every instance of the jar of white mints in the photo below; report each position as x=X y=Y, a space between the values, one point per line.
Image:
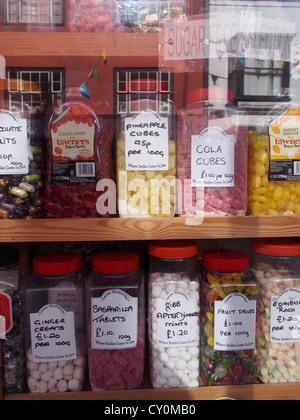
x=174 y=313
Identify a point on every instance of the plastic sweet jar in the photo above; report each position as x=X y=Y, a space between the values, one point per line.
x=174 y=330
x=116 y=321
x=55 y=324
x=274 y=163
x=146 y=152
x=79 y=156
x=229 y=313
x=12 y=334
x=276 y=264
x=22 y=164
x=211 y=155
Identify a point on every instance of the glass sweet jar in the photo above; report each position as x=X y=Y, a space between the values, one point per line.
x=211 y=155
x=116 y=321
x=55 y=324
x=174 y=330
x=229 y=313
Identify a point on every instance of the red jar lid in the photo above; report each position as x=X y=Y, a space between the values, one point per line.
x=115 y=262
x=209 y=93
x=173 y=249
x=145 y=85
x=226 y=260
x=57 y=264
x=279 y=247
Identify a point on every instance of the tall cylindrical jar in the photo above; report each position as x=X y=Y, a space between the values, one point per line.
x=229 y=311
x=211 y=155
x=146 y=152
x=276 y=263
x=55 y=324
x=174 y=330
x=12 y=334
x=116 y=321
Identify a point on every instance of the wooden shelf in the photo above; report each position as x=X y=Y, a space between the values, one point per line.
x=246 y=392
x=89 y=230
x=61 y=44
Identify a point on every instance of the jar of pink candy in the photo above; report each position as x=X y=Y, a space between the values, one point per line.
x=276 y=263
x=116 y=322
x=212 y=155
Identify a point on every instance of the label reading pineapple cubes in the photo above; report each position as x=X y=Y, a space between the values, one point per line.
x=284 y=135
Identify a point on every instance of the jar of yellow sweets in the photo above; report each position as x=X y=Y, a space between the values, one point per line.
x=274 y=164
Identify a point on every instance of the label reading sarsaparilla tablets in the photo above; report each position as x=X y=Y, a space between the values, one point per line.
x=235 y=323
x=73 y=146
x=114 y=318
x=53 y=335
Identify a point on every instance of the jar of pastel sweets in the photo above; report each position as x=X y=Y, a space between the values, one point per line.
x=276 y=264
x=174 y=330
x=211 y=155
x=116 y=321
x=146 y=151
x=229 y=303
x=55 y=325
x=274 y=163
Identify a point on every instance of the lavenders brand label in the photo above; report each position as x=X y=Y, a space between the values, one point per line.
x=147 y=142
x=14 y=148
x=285 y=317
x=235 y=323
x=177 y=319
x=53 y=336
x=114 y=318
x=212 y=160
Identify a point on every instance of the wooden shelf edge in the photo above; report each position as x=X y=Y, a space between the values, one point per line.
x=245 y=392
x=79 y=44
x=89 y=230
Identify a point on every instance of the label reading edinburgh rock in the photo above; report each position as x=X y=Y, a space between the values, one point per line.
x=14 y=148
x=73 y=146
x=212 y=160
x=285 y=317
x=114 y=318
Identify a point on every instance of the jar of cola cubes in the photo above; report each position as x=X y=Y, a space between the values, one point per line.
x=212 y=155
x=146 y=151
x=229 y=312
x=79 y=156
x=55 y=324
x=12 y=334
x=116 y=321
x=174 y=312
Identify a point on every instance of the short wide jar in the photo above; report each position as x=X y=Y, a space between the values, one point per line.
x=174 y=330
x=229 y=303
x=54 y=325
x=116 y=322
x=276 y=264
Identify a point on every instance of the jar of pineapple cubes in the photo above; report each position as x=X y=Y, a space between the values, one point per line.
x=146 y=152
x=274 y=164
